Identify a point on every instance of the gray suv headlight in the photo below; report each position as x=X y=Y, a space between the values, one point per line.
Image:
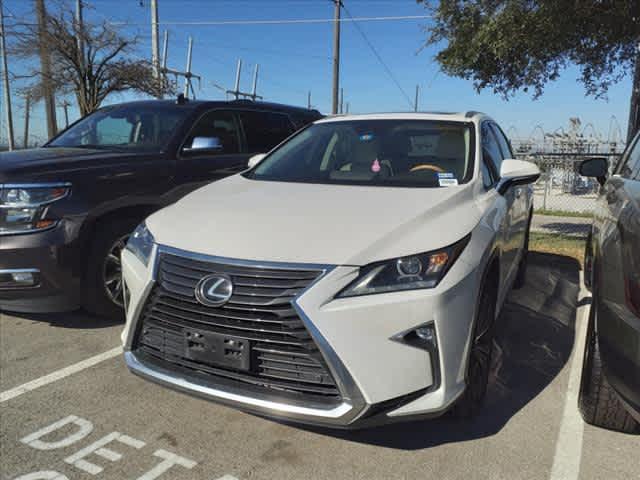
x=140 y=243
x=23 y=207
x=424 y=270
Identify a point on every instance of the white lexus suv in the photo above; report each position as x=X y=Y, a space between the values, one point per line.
x=350 y=277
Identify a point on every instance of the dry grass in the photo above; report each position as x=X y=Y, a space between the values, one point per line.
x=558 y=244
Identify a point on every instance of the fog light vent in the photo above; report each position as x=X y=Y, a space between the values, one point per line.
x=422 y=336
x=425 y=338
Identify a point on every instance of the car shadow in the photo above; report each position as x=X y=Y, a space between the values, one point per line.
x=566 y=228
x=79 y=319
x=535 y=339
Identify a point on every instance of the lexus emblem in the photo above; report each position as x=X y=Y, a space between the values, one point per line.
x=214 y=290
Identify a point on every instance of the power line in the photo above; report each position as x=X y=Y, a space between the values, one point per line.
x=375 y=52
x=227 y=46
x=283 y=22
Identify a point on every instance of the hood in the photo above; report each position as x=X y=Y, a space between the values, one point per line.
x=308 y=223
x=51 y=164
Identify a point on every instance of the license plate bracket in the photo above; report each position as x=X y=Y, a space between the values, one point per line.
x=217 y=350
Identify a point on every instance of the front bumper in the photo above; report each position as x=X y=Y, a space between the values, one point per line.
x=54 y=256
x=380 y=379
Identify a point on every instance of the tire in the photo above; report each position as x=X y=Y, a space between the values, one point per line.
x=521 y=276
x=588 y=263
x=480 y=355
x=103 y=269
x=597 y=401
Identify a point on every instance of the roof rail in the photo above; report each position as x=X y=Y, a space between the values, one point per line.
x=471 y=113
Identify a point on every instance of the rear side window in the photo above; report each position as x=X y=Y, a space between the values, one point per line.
x=490 y=149
x=264 y=130
x=218 y=124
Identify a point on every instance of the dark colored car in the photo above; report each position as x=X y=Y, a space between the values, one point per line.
x=66 y=209
x=610 y=386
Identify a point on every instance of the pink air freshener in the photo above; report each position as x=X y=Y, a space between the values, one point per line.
x=375 y=166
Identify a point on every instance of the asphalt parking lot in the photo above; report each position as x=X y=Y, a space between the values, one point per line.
x=96 y=420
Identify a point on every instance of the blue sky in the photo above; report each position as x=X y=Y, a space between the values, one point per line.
x=296 y=58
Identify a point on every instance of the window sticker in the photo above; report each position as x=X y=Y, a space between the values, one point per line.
x=366 y=137
x=447 y=179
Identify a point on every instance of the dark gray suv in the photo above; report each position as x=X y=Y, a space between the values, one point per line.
x=67 y=209
x=610 y=386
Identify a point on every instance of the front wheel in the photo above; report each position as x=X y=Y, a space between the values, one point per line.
x=480 y=355
x=597 y=401
x=104 y=289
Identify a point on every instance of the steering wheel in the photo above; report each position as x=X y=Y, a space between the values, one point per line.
x=427 y=166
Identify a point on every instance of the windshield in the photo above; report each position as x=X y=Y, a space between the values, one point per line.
x=403 y=153
x=139 y=128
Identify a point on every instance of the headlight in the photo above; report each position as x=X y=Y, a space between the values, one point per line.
x=23 y=208
x=424 y=270
x=140 y=243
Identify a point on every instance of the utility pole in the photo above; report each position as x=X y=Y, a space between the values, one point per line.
x=336 y=56
x=155 y=53
x=65 y=106
x=309 y=100
x=5 y=81
x=236 y=90
x=79 y=26
x=415 y=105
x=187 y=71
x=341 y=100
x=188 y=75
x=255 y=83
x=237 y=86
x=45 y=71
x=79 y=32
x=27 y=111
x=165 y=50
x=634 y=107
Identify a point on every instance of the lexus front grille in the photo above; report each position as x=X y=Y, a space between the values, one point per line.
x=258 y=320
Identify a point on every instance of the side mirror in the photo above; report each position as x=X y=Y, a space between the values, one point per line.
x=205 y=144
x=516 y=172
x=595 y=167
x=256 y=159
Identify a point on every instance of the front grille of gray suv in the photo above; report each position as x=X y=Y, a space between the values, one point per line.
x=284 y=359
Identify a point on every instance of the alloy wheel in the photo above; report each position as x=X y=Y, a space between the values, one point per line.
x=112 y=271
x=481 y=351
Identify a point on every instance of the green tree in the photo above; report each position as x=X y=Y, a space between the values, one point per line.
x=520 y=45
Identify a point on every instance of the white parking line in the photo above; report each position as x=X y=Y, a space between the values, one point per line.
x=568 y=455
x=59 y=374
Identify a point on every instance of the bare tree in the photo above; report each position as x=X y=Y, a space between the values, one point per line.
x=107 y=65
